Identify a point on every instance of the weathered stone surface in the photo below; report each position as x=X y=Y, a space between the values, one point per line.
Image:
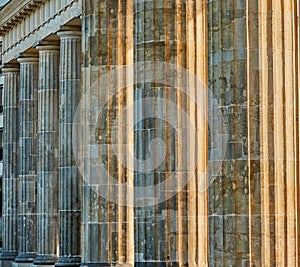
x=10 y=164
x=229 y=199
x=247 y=52
x=27 y=206
x=69 y=177
x=105 y=238
x=171 y=231
x=47 y=169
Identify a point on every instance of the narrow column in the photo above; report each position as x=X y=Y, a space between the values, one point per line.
x=69 y=176
x=10 y=165
x=28 y=156
x=47 y=227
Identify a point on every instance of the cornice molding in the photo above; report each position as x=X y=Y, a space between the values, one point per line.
x=34 y=28
x=15 y=11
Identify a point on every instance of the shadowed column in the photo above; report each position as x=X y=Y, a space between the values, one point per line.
x=10 y=164
x=69 y=176
x=28 y=152
x=47 y=227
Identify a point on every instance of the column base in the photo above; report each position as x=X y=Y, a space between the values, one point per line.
x=25 y=257
x=45 y=260
x=68 y=262
x=21 y=264
x=9 y=256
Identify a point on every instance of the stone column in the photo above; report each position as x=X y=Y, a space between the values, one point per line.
x=69 y=176
x=174 y=232
x=151 y=241
x=107 y=226
x=47 y=177
x=161 y=234
x=28 y=156
x=10 y=165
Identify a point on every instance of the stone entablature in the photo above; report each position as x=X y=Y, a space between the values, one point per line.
x=24 y=24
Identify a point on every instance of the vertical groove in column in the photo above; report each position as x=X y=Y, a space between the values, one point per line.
x=160 y=174
x=28 y=157
x=290 y=50
x=139 y=222
x=121 y=135
x=47 y=176
x=69 y=177
x=279 y=135
x=181 y=160
x=191 y=138
x=110 y=137
x=266 y=134
x=254 y=148
x=10 y=162
x=129 y=133
x=202 y=130
x=170 y=205
x=90 y=200
x=296 y=12
x=104 y=215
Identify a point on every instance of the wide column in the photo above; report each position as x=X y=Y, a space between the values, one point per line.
x=107 y=223
x=47 y=177
x=10 y=165
x=69 y=176
x=28 y=157
x=160 y=230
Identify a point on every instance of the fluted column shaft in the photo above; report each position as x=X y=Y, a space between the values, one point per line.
x=10 y=166
x=107 y=224
x=28 y=158
x=69 y=176
x=171 y=232
x=47 y=178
